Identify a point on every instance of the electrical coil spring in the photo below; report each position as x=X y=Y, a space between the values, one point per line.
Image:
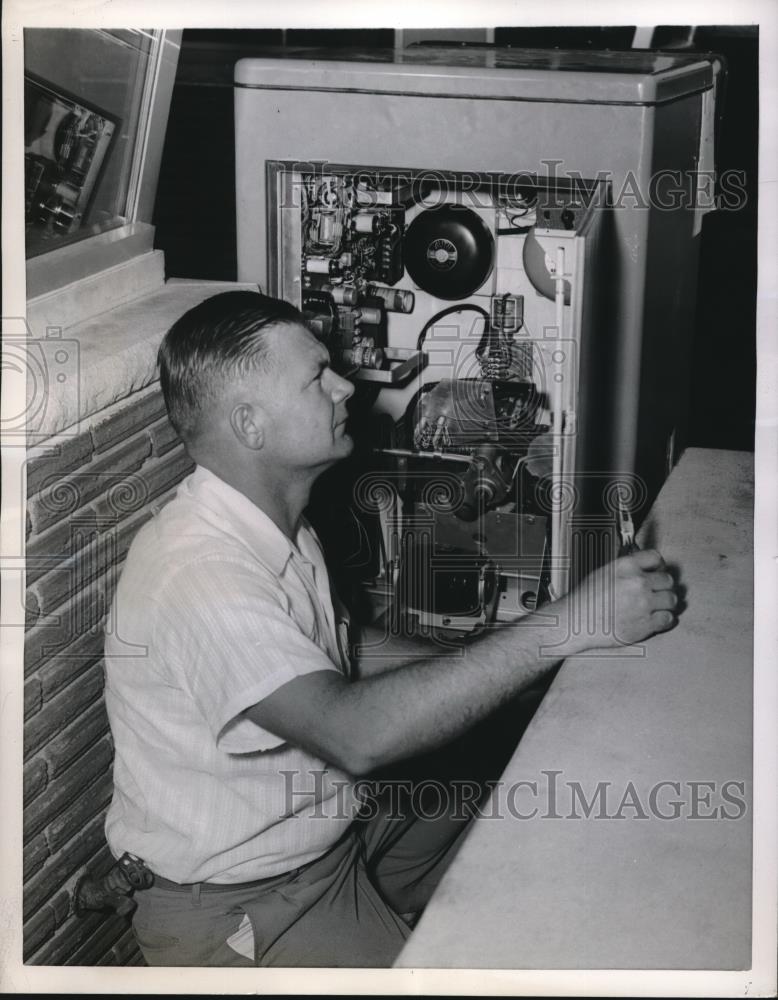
x=496 y=364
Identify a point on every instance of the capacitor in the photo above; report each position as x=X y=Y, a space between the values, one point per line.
x=63 y=216
x=320 y=265
x=327 y=222
x=348 y=319
x=320 y=325
x=364 y=355
x=366 y=222
x=395 y=299
x=67 y=192
x=344 y=295
x=370 y=314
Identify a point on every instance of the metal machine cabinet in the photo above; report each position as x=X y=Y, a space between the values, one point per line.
x=500 y=245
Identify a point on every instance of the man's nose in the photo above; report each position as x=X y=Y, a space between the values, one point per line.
x=341 y=388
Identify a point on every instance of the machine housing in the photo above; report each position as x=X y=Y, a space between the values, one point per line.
x=454 y=226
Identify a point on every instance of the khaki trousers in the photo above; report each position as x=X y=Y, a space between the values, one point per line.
x=341 y=910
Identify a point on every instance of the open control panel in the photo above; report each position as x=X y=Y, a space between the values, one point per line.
x=456 y=303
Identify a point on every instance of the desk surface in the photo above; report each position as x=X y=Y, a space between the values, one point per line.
x=626 y=888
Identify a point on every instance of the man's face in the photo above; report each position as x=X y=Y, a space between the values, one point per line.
x=304 y=402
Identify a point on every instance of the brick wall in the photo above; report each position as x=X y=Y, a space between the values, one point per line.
x=88 y=493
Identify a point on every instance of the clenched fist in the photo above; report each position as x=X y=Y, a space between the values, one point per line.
x=621 y=603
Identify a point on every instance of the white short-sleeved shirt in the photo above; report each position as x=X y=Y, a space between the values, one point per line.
x=215 y=609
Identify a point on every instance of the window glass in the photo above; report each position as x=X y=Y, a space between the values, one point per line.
x=84 y=92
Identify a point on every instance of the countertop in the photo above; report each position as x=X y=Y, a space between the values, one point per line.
x=643 y=738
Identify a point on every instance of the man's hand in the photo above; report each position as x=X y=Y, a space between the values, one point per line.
x=382 y=718
x=621 y=603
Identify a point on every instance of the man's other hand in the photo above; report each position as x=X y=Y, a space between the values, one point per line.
x=621 y=603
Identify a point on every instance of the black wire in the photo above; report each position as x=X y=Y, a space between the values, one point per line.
x=514 y=228
x=447 y=312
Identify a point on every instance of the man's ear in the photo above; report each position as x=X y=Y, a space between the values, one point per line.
x=247 y=426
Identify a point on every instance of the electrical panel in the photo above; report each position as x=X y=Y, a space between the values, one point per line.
x=458 y=308
x=472 y=231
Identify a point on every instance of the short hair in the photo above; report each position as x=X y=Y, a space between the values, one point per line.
x=223 y=337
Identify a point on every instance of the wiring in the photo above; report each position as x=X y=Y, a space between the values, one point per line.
x=462 y=307
x=515 y=225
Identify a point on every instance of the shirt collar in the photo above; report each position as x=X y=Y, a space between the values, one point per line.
x=242 y=519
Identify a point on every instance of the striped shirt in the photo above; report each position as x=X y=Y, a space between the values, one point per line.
x=215 y=609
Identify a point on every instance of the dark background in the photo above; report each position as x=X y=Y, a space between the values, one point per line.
x=195 y=208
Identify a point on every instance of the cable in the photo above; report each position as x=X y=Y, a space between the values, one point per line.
x=515 y=227
x=447 y=312
x=513 y=214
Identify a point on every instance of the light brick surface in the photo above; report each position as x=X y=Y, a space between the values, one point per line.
x=61 y=497
x=46 y=551
x=44 y=883
x=57 y=457
x=36 y=778
x=39 y=928
x=95 y=559
x=33 y=697
x=36 y=853
x=94 y=800
x=69 y=705
x=66 y=666
x=61 y=945
x=82 y=612
x=76 y=738
x=76 y=780
x=127 y=417
x=73 y=931
x=163 y=436
x=88 y=496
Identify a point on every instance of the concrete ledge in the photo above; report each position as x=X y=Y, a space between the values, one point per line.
x=654 y=871
x=100 y=360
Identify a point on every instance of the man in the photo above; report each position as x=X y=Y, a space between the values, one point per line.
x=238 y=725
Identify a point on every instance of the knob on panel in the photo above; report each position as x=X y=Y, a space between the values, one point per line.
x=449 y=251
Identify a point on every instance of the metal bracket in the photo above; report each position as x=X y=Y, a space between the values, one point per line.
x=406 y=364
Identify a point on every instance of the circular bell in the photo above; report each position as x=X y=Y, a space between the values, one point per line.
x=449 y=251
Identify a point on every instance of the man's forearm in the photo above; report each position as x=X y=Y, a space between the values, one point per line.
x=417 y=707
x=377 y=650
x=425 y=704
